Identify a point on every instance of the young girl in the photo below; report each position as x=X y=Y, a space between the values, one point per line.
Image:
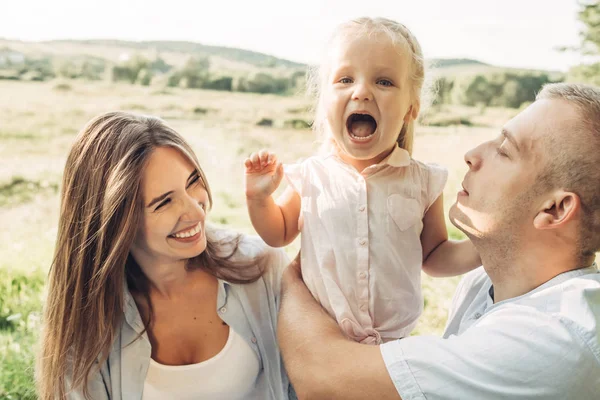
x=371 y=217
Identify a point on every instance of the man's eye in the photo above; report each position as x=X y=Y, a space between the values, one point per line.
x=501 y=152
x=345 y=80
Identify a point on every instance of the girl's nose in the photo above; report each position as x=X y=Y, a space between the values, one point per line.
x=362 y=93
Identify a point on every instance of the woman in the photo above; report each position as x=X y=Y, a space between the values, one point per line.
x=146 y=301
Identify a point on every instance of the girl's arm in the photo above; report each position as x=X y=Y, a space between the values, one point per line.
x=275 y=222
x=443 y=257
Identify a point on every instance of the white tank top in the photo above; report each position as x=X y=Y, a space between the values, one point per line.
x=231 y=375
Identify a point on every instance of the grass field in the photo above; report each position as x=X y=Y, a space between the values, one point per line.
x=38 y=122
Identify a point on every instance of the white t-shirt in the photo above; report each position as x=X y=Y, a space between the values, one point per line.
x=230 y=375
x=544 y=344
x=361 y=244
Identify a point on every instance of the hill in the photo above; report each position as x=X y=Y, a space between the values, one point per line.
x=228 y=59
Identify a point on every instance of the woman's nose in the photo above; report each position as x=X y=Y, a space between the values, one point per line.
x=194 y=210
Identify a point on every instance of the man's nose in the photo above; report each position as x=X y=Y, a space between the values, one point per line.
x=473 y=158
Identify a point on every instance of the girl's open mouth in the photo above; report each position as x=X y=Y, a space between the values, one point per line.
x=361 y=126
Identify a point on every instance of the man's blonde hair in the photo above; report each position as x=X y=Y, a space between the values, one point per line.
x=574 y=164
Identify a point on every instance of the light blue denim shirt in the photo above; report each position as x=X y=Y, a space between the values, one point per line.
x=249 y=309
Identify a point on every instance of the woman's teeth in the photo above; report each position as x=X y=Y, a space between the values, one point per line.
x=187 y=234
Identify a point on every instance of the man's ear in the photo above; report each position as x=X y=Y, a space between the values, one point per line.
x=562 y=207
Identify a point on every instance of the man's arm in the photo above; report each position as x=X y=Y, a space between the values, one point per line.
x=320 y=361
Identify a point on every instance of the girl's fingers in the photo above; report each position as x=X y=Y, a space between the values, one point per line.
x=248 y=164
x=255 y=161
x=264 y=157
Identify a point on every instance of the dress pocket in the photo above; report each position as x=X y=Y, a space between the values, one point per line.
x=404 y=211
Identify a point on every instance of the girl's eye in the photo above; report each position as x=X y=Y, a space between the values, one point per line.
x=385 y=82
x=164 y=203
x=345 y=80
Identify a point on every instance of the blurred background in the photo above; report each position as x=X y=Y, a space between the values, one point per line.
x=229 y=76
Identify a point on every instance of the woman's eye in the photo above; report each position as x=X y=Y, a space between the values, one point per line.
x=164 y=203
x=196 y=179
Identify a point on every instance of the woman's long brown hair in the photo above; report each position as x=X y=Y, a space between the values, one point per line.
x=101 y=208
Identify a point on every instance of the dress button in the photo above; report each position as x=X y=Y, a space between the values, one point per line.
x=361 y=208
x=477 y=315
x=253 y=340
x=362 y=275
x=363 y=307
x=223 y=310
x=363 y=242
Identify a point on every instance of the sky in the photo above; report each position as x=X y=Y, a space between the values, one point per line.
x=513 y=33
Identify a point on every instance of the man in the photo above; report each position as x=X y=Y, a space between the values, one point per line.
x=527 y=324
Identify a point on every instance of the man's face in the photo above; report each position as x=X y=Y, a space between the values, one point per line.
x=498 y=196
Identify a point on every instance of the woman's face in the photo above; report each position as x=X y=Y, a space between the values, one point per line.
x=174 y=211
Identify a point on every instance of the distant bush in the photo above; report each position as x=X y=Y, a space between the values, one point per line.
x=91 y=69
x=144 y=77
x=263 y=83
x=10 y=75
x=200 y=110
x=162 y=92
x=589 y=73
x=448 y=121
x=500 y=89
x=222 y=83
x=122 y=73
x=296 y=124
x=265 y=122
x=20 y=190
x=62 y=87
x=194 y=73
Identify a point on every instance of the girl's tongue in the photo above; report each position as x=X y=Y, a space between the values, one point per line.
x=361 y=125
x=362 y=128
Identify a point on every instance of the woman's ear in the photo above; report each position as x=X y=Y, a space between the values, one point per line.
x=558 y=210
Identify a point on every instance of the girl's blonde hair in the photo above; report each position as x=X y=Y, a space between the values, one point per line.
x=400 y=36
x=101 y=209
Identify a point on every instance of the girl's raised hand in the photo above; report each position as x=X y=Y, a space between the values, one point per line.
x=263 y=174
